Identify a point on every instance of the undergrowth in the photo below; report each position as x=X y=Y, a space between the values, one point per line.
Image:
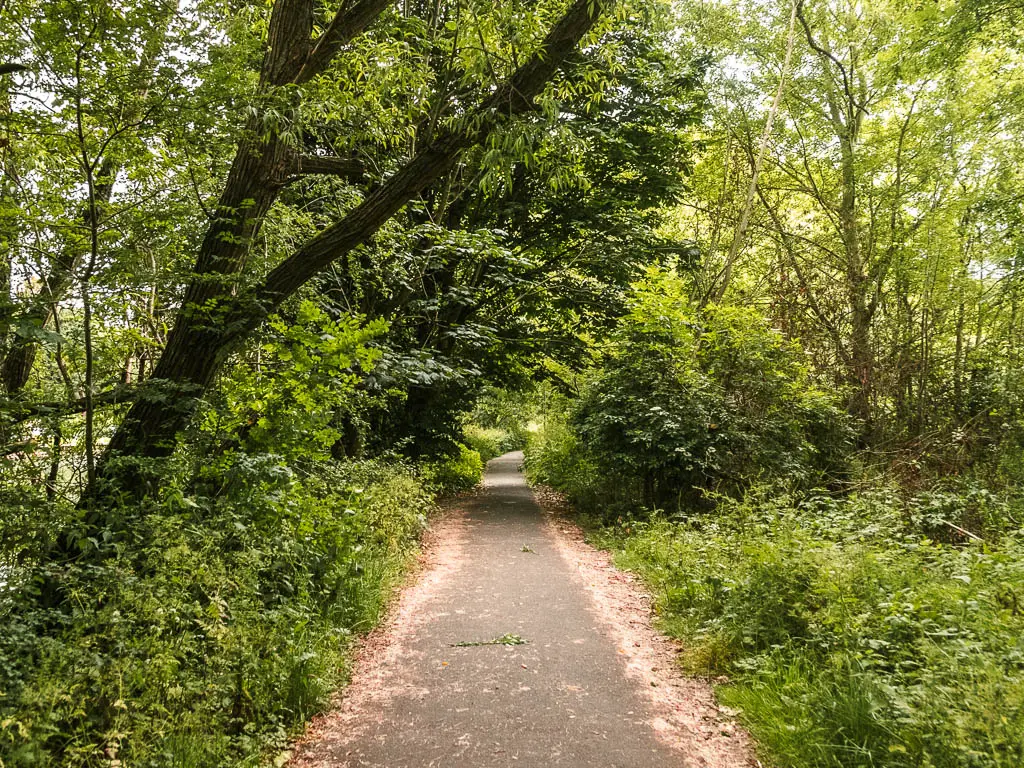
x=876 y=629
x=488 y=442
x=456 y=473
x=850 y=637
x=216 y=630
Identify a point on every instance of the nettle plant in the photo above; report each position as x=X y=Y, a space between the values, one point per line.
x=687 y=401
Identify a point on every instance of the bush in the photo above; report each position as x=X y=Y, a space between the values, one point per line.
x=684 y=402
x=506 y=411
x=454 y=474
x=486 y=441
x=555 y=456
x=224 y=628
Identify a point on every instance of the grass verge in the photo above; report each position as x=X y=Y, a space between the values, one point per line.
x=217 y=630
x=848 y=637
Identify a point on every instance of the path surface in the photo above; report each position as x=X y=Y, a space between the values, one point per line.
x=564 y=698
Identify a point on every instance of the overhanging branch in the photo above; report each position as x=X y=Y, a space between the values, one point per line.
x=514 y=97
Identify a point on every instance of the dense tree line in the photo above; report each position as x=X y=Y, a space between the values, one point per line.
x=883 y=233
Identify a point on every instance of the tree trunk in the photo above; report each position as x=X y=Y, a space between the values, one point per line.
x=862 y=365
x=846 y=113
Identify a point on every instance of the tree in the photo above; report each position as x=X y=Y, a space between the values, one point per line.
x=518 y=255
x=219 y=310
x=884 y=148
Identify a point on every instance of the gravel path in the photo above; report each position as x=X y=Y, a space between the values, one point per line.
x=519 y=645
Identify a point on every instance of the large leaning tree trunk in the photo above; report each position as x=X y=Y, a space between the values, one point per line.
x=216 y=315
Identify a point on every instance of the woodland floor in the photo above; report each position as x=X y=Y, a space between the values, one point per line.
x=591 y=684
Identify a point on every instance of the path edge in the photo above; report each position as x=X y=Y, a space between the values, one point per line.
x=687 y=714
x=368 y=656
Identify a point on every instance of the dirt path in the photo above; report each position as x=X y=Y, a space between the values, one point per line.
x=591 y=685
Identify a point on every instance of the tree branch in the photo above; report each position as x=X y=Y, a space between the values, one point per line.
x=197 y=347
x=852 y=103
x=348 y=22
x=514 y=97
x=289 y=40
x=322 y=165
x=16 y=411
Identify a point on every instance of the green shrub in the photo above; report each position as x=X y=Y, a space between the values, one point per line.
x=507 y=411
x=487 y=441
x=687 y=401
x=224 y=628
x=454 y=474
x=554 y=456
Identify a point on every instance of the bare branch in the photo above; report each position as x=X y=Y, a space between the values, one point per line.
x=18 y=411
x=852 y=103
x=322 y=165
